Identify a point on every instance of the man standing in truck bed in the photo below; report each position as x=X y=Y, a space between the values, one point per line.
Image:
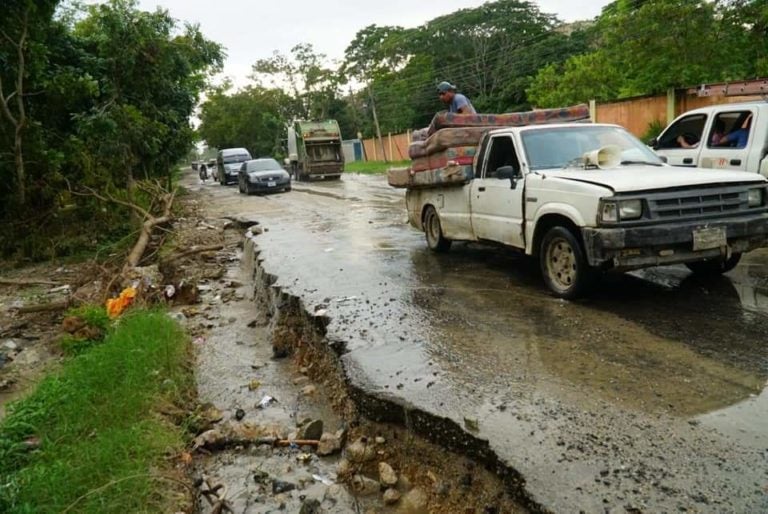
x=456 y=102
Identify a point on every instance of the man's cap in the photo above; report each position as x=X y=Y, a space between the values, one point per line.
x=445 y=86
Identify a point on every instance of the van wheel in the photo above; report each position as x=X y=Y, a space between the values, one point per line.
x=434 y=232
x=714 y=266
x=563 y=265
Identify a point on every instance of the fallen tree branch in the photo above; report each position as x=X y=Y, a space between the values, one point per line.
x=216 y=440
x=27 y=282
x=137 y=252
x=192 y=251
x=46 y=307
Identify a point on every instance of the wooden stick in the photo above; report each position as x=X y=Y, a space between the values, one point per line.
x=46 y=307
x=28 y=282
x=192 y=251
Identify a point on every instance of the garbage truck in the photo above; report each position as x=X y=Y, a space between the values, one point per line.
x=314 y=150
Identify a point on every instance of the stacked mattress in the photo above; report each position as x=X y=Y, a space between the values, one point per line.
x=444 y=152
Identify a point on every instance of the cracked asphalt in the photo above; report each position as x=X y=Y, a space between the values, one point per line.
x=650 y=396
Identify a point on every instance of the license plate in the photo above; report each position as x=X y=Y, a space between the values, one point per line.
x=708 y=238
x=271 y=183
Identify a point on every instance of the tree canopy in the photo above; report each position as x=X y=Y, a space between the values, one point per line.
x=646 y=47
x=107 y=93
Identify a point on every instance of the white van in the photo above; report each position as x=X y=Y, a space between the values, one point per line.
x=729 y=137
x=228 y=163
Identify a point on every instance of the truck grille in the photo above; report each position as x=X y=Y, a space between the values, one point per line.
x=698 y=203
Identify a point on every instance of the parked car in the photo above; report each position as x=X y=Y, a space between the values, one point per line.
x=229 y=161
x=586 y=199
x=263 y=176
x=729 y=137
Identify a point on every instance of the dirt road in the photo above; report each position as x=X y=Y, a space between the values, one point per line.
x=649 y=396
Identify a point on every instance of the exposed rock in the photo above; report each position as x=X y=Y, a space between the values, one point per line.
x=329 y=444
x=279 y=487
x=360 y=451
x=391 y=496
x=343 y=469
x=414 y=502
x=313 y=430
x=310 y=507
x=387 y=475
x=300 y=381
x=309 y=390
x=210 y=439
x=364 y=486
x=10 y=345
x=380 y=440
x=28 y=357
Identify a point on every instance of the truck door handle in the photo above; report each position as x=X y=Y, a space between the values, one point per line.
x=735 y=162
x=688 y=160
x=481 y=189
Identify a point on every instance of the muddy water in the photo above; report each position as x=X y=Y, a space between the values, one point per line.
x=649 y=395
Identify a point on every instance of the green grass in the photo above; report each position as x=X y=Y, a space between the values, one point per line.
x=103 y=443
x=374 y=167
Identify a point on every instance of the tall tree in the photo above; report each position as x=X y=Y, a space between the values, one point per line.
x=20 y=18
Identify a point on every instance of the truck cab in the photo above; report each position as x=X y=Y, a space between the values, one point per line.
x=589 y=198
x=727 y=137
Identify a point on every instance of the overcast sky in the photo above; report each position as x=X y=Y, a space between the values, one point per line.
x=253 y=29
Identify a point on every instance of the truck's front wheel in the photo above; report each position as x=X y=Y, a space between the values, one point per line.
x=563 y=265
x=435 y=239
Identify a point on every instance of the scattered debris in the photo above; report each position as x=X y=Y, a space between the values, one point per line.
x=265 y=402
x=279 y=487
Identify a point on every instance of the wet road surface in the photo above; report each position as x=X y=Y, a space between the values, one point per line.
x=650 y=395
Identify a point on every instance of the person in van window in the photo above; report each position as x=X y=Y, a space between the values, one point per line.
x=738 y=138
x=718 y=132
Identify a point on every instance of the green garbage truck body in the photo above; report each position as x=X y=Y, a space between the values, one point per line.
x=314 y=149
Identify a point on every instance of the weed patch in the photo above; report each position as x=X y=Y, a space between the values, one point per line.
x=374 y=167
x=90 y=437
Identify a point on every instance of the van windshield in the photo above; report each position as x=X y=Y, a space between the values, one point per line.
x=240 y=157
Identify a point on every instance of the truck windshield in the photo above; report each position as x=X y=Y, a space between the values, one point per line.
x=560 y=147
x=241 y=157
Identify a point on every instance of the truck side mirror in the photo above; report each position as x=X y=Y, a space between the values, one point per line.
x=508 y=173
x=654 y=143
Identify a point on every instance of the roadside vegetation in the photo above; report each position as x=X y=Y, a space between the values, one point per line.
x=373 y=167
x=93 y=98
x=92 y=436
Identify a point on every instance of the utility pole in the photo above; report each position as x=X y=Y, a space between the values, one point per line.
x=376 y=124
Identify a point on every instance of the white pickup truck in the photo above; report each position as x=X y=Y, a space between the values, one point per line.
x=588 y=198
x=707 y=138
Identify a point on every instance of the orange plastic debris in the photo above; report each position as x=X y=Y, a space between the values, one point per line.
x=116 y=306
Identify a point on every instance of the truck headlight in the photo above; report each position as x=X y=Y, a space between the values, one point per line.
x=612 y=211
x=756 y=197
x=630 y=209
x=609 y=212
